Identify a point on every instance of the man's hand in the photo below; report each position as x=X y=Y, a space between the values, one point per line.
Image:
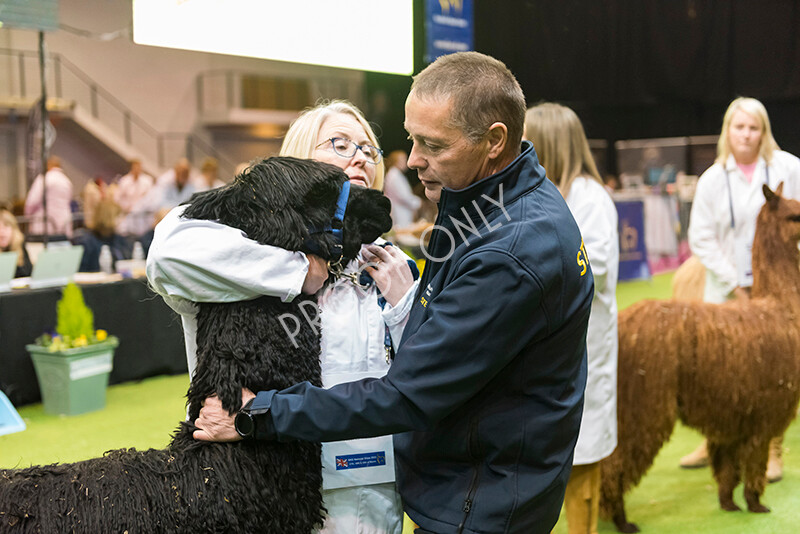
x=388 y=266
x=215 y=423
x=317 y=274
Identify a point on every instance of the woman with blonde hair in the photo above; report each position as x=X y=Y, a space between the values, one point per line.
x=13 y=240
x=101 y=232
x=358 y=335
x=560 y=142
x=723 y=218
x=303 y=139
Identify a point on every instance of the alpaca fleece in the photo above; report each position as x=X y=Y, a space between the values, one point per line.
x=689 y=281
x=729 y=370
x=192 y=486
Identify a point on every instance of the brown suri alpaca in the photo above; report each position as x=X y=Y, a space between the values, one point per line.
x=731 y=371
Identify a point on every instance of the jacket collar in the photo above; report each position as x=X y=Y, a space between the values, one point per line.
x=731 y=165
x=520 y=176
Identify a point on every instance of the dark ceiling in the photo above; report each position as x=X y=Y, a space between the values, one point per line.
x=634 y=69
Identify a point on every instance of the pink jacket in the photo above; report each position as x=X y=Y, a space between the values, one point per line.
x=59 y=196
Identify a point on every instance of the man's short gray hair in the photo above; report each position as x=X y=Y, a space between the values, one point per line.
x=482 y=90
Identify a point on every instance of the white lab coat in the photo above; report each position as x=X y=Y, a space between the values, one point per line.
x=711 y=237
x=596 y=215
x=130 y=195
x=203 y=261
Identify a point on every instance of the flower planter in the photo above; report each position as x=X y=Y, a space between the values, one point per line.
x=73 y=381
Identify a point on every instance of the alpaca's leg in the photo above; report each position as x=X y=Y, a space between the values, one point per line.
x=724 y=463
x=755 y=479
x=612 y=502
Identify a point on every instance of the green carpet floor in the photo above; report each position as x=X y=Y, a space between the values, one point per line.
x=668 y=501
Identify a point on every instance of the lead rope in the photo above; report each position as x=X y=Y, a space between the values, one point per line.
x=337 y=270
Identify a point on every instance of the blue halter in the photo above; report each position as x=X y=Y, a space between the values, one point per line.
x=335 y=227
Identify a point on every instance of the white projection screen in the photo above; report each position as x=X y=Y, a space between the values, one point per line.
x=369 y=35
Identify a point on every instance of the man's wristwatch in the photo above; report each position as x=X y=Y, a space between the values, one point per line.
x=244 y=421
x=247 y=424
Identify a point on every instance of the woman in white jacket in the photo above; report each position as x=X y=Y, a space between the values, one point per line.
x=560 y=142
x=397 y=189
x=723 y=219
x=203 y=261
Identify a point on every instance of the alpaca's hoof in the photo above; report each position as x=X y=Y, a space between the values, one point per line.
x=729 y=506
x=758 y=509
x=627 y=528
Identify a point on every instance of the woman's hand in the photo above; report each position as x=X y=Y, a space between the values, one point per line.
x=388 y=266
x=316 y=276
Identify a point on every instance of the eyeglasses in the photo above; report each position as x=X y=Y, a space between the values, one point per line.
x=347 y=149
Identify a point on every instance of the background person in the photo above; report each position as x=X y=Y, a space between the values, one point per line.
x=92 y=193
x=723 y=218
x=131 y=192
x=484 y=396
x=178 y=190
x=354 y=327
x=13 y=240
x=397 y=189
x=560 y=142
x=208 y=177
x=59 y=199
x=102 y=232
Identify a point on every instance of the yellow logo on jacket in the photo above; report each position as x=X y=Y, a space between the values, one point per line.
x=583 y=259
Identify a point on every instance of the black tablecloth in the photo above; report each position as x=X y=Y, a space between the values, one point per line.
x=149 y=332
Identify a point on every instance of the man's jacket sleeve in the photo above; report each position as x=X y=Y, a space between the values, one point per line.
x=486 y=313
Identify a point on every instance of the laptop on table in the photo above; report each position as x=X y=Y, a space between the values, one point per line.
x=55 y=266
x=8 y=268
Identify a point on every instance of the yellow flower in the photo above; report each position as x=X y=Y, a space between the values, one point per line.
x=101 y=335
x=81 y=341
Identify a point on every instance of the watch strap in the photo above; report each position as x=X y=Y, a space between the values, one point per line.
x=257 y=408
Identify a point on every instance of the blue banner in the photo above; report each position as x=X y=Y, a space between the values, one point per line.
x=448 y=27
x=355 y=461
x=632 y=250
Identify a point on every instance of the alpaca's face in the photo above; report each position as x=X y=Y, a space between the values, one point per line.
x=785 y=211
x=789 y=212
x=368 y=216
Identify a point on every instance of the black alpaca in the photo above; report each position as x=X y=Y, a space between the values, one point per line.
x=195 y=486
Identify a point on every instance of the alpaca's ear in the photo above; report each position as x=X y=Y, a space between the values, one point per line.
x=772 y=197
x=368 y=217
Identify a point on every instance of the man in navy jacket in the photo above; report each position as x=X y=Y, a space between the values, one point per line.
x=485 y=393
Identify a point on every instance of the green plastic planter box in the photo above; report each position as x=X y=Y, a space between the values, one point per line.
x=73 y=381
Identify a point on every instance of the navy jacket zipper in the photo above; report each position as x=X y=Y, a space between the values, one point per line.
x=473 y=486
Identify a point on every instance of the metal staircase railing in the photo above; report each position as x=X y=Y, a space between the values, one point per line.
x=67 y=82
